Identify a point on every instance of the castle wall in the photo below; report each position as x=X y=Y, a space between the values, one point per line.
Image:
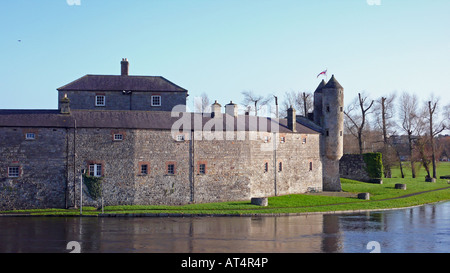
x=234 y=169
x=42 y=168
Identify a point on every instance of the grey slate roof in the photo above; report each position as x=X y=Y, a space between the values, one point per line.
x=320 y=87
x=333 y=83
x=160 y=120
x=120 y=83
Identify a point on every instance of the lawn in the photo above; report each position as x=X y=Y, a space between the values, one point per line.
x=443 y=168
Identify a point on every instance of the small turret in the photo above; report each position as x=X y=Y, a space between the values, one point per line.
x=318 y=119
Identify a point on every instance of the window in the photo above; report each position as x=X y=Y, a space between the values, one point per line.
x=341 y=109
x=95 y=170
x=327 y=133
x=100 y=100
x=180 y=137
x=303 y=140
x=13 y=171
x=310 y=166
x=170 y=168
x=328 y=108
x=280 y=166
x=144 y=169
x=282 y=139
x=156 y=100
x=340 y=133
x=118 y=137
x=266 y=139
x=266 y=167
x=202 y=168
x=30 y=136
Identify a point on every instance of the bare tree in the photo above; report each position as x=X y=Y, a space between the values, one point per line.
x=356 y=121
x=411 y=123
x=435 y=127
x=384 y=113
x=302 y=101
x=202 y=104
x=256 y=101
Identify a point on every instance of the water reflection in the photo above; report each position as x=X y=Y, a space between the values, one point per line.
x=421 y=229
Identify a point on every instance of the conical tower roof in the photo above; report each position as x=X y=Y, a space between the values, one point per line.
x=321 y=85
x=333 y=83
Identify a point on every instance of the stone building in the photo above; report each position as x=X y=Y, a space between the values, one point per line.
x=148 y=155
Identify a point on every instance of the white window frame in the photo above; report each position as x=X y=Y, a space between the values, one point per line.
x=95 y=170
x=97 y=97
x=30 y=136
x=118 y=137
x=153 y=101
x=15 y=173
x=180 y=138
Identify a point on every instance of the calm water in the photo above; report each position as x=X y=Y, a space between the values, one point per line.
x=420 y=229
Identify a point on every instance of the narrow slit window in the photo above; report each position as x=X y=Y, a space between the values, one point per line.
x=280 y=166
x=266 y=167
x=310 y=166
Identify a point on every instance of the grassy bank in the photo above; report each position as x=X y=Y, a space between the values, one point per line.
x=382 y=197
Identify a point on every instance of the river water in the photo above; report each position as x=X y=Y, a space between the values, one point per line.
x=424 y=229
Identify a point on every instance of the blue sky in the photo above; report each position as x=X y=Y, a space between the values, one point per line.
x=224 y=47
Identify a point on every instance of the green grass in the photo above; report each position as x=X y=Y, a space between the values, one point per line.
x=443 y=168
x=383 y=196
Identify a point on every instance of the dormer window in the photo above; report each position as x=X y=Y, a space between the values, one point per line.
x=99 y=100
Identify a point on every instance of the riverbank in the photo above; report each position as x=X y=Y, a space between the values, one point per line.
x=382 y=197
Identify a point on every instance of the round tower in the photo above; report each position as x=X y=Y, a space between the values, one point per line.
x=332 y=139
x=333 y=119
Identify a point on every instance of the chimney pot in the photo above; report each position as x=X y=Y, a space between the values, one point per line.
x=124 y=67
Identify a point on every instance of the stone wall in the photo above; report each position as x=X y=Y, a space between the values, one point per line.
x=42 y=168
x=352 y=166
x=235 y=169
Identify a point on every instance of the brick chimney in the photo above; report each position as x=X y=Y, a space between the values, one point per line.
x=124 y=67
x=291 y=119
